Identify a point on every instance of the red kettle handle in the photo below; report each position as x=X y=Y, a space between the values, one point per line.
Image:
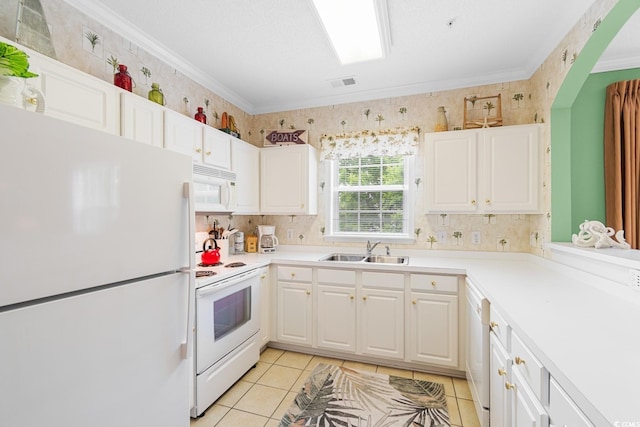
x=204 y=245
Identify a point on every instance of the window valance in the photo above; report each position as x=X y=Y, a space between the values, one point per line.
x=389 y=142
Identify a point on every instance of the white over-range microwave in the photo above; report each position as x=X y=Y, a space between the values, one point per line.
x=214 y=190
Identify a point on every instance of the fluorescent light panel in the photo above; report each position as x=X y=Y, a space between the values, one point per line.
x=355 y=28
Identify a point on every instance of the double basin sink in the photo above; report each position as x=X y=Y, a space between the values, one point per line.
x=374 y=259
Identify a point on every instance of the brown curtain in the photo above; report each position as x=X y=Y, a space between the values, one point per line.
x=622 y=158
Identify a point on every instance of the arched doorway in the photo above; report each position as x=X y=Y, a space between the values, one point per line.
x=564 y=169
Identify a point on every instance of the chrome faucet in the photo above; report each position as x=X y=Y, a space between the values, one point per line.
x=371 y=247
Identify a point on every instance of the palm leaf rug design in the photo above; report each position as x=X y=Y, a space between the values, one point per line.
x=339 y=396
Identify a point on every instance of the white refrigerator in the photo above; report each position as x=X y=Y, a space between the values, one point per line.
x=95 y=276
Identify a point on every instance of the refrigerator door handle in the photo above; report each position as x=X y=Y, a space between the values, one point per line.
x=187 y=347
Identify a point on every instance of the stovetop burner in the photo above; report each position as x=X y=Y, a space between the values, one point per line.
x=209 y=265
x=205 y=273
x=235 y=264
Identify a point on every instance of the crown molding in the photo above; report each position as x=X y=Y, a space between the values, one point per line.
x=108 y=18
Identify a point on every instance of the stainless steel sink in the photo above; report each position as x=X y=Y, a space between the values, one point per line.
x=344 y=258
x=377 y=259
x=387 y=259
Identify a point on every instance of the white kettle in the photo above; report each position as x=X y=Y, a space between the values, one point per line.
x=15 y=91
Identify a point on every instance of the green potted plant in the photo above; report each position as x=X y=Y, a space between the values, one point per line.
x=14 y=70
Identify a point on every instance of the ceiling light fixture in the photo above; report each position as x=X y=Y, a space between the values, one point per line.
x=357 y=29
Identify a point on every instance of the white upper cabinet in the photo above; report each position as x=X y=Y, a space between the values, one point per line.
x=288 y=180
x=141 y=120
x=245 y=162
x=75 y=96
x=216 y=148
x=494 y=170
x=183 y=135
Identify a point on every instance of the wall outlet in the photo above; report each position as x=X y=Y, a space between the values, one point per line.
x=442 y=237
x=634 y=279
x=475 y=237
x=290 y=234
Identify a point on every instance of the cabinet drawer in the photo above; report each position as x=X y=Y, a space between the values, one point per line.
x=297 y=274
x=500 y=327
x=338 y=277
x=372 y=279
x=533 y=372
x=562 y=410
x=430 y=282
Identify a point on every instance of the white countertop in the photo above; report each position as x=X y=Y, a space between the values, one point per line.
x=584 y=329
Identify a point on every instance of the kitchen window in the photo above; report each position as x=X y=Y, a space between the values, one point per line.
x=371 y=197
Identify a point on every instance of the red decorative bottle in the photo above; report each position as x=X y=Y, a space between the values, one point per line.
x=122 y=78
x=200 y=116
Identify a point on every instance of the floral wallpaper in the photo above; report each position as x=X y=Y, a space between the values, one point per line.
x=83 y=43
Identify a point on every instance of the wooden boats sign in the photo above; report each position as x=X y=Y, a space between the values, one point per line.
x=282 y=137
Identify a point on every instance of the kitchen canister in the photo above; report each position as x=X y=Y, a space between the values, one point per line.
x=251 y=243
x=238 y=242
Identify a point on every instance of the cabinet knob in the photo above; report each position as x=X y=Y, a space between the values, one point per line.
x=414 y=302
x=364 y=298
x=207 y=153
x=488 y=202
x=308 y=292
x=509 y=386
x=473 y=202
x=351 y=297
x=262 y=276
x=519 y=360
x=502 y=372
x=293 y=274
x=433 y=283
x=198 y=150
x=493 y=325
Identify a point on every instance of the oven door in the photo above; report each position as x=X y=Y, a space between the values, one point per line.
x=227 y=314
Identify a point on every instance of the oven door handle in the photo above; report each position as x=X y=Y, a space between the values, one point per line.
x=224 y=284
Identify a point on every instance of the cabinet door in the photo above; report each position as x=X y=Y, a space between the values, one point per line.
x=183 y=134
x=526 y=410
x=510 y=174
x=336 y=319
x=77 y=97
x=285 y=180
x=451 y=171
x=141 y=120
x=265 y=307
x=294 y=313
x=500 y=374
x=381 y=323
x=245 y=162
x=216 y=148
x=433 y=329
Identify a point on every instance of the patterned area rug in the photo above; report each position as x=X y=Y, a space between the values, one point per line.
x=339 y=396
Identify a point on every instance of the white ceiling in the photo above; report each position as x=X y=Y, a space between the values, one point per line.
x=273 y=55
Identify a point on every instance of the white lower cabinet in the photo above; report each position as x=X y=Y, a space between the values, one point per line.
x=562 y=410
x=295 y=307
x=433 y=329
x=499 y=377
x=336 y=320
x=526 y=410
x=365 y=312
x=381 y=323
x=265 y=307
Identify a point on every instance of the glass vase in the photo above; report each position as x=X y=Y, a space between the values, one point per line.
x=441 y=121
x=122 y=78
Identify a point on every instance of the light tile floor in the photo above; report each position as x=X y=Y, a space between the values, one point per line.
x=262 y=396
